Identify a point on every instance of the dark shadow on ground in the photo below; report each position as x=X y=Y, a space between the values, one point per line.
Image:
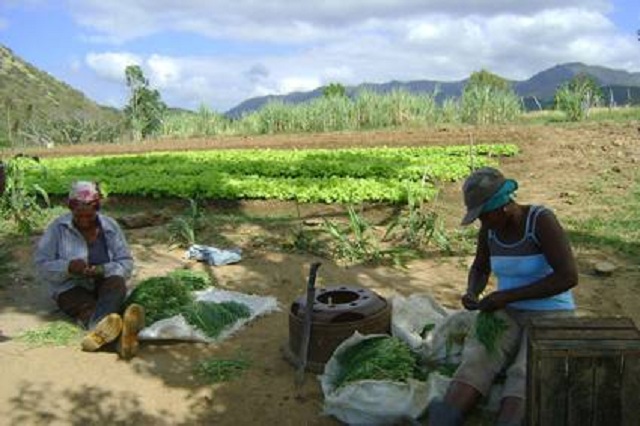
x=37 y=404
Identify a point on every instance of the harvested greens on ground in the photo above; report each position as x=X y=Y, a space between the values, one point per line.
x=489 y=329
x=57 y=333
x=378 y=358
x=193 y=280
x=221 y=370
x=212 y=317
x=170 y=295
x=161 y=297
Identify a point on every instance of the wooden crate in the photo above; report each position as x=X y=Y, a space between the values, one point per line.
x=583 y=372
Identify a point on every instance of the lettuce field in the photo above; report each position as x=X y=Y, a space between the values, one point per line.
x=320 y=175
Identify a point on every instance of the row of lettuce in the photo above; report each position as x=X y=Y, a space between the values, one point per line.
x=327 y=176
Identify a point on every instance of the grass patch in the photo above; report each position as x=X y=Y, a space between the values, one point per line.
x=620 y=114
x=57 y=333
x=616 y=227
x=596 y=115
x=218 y=370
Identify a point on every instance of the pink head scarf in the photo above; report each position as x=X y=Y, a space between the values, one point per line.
x=84 y=191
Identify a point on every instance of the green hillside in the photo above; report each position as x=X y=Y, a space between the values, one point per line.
x=35 y=108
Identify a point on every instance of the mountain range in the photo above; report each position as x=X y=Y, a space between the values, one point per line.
x=27 y=92
x=618 y=86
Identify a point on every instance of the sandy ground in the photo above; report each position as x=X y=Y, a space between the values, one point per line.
x=64 y=386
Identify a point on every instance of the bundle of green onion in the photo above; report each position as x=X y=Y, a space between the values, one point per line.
x=489 y=330
x=161 y=297
x=166 y=296
x=377 y=358
x=212 y=318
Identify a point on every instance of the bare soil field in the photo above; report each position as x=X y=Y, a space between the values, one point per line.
x=558 y=166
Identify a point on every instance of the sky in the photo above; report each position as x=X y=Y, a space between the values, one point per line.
x=219 y=53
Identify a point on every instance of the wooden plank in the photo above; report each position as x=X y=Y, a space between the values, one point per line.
x=582 y=334
x=532 y=403
x=552 y=374
x=608 y=384
x=630 y=347
x=630 y=392
x=583 y=322
x=581 y=393
x=532 y=408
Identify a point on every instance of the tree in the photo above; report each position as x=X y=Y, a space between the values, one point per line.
x=486 y=79
x=488 y=98
x=577 y=96
x=334 y=89
x=145 y=110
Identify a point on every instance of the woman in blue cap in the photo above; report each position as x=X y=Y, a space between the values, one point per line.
x=528 y=252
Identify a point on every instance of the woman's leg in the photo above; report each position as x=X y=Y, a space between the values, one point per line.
x=511 y=411
x=79 y=303
x=111 y=292
x=475 y=375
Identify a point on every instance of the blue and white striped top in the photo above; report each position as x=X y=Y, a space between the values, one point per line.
x=522 y=263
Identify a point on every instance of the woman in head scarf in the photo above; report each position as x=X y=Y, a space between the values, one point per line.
x=85 y=260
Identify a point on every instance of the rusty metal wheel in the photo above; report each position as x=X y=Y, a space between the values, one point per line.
x=337 y=313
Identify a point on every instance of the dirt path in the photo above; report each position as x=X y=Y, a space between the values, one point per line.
x=62 y=385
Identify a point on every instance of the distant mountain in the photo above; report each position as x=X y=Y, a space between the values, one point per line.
x=28 y=94
x=620 y=86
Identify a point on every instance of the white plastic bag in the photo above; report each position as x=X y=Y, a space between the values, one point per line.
x=212 y=255
x=447 y=338
x=444 y=342
x=370 y=402
x=411 y=314
x=177 y=328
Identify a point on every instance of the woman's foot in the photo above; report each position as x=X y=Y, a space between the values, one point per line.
x=133 y=322
x=107 y=330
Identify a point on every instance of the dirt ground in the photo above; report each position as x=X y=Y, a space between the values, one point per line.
x=64 y=386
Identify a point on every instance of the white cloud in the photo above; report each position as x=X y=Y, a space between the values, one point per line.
x=303 y=46
x=164 y=71
x=338 y=73
x=111 y=65
x=297 y=84
x=4 y=23
x=286 y=21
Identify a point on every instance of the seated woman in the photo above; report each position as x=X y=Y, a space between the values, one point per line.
x=527 y=250
x=85 y=260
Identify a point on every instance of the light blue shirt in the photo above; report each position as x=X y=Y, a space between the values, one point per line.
x=519 y=271
x=62 y=242
x=522 y=263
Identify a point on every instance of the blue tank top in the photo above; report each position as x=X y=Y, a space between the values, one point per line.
x=522 y=263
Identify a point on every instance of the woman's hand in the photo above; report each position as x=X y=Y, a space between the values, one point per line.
x=77 y=267
x=94 y=271
x=470 y=301
x=493 y=301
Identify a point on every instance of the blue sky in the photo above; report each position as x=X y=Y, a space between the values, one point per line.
x=219 y=53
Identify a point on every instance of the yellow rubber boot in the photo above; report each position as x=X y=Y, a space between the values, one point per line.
x=106 y=331
x=133 y=322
